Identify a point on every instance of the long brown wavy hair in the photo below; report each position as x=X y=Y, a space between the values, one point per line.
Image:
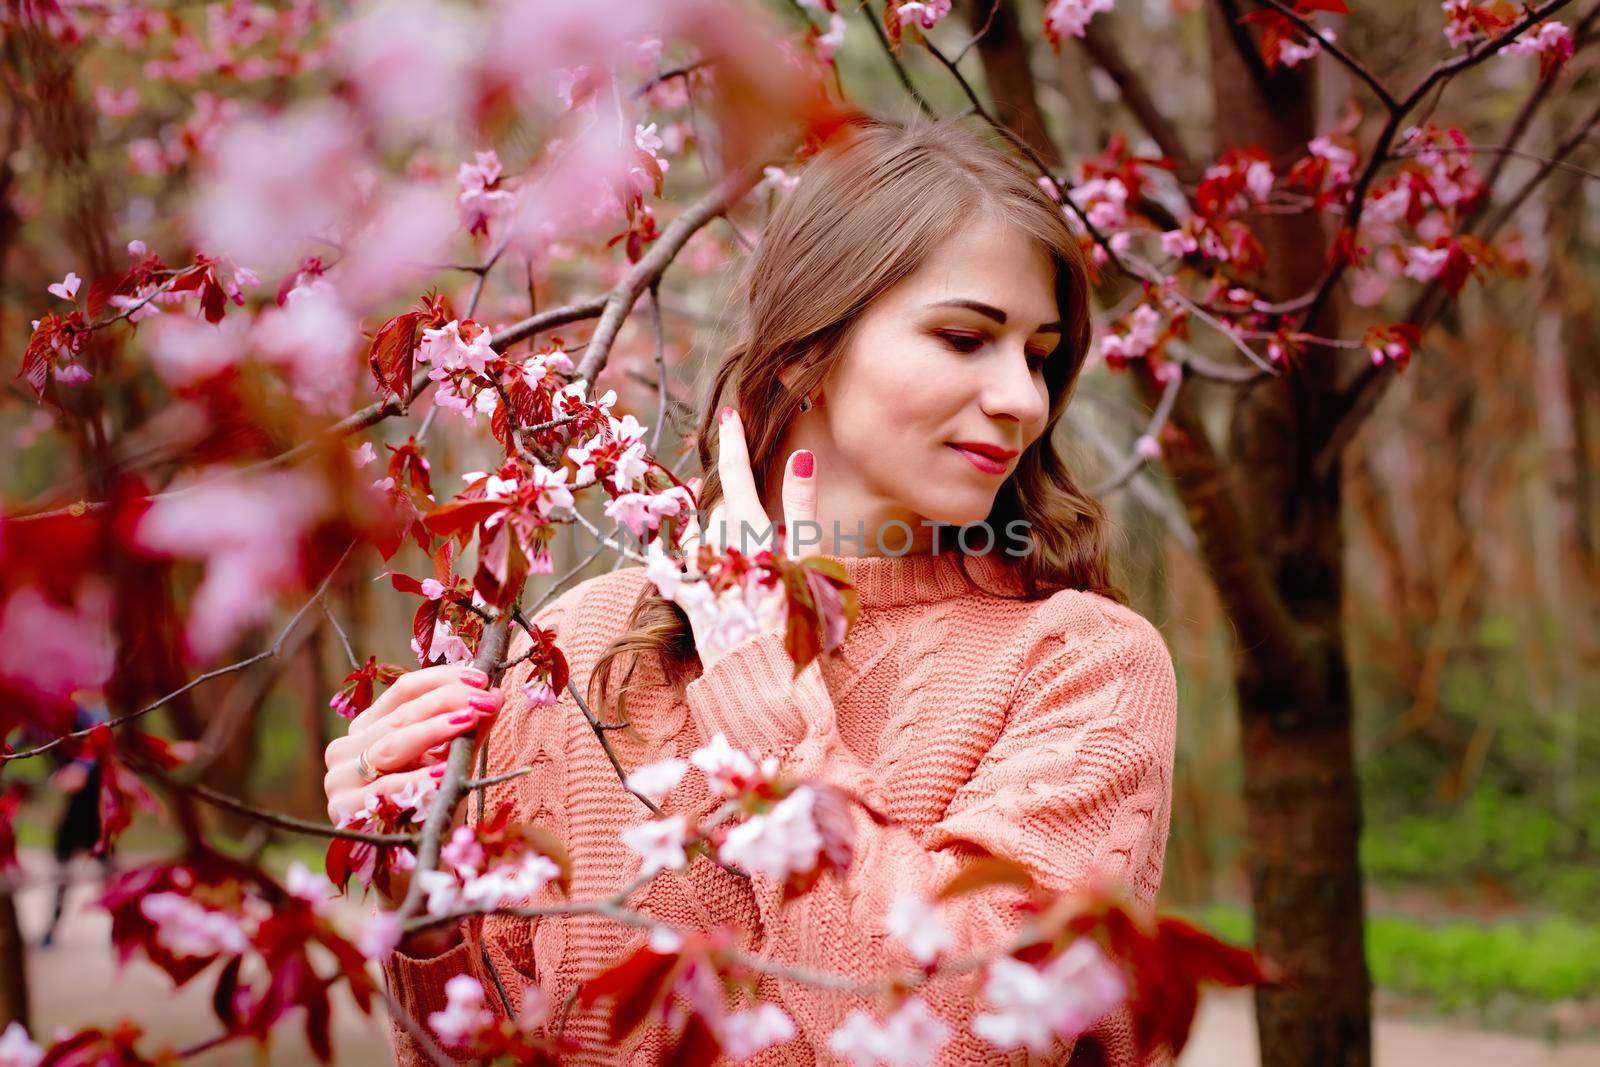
x=869 y=208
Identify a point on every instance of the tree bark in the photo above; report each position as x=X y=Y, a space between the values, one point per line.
x=1006 y=59
x=14 y=1005
x=1303 y=808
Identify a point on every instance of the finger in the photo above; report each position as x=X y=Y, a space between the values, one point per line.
x=401 y=750
x=800 y=505
x=448 y=699
x=355 y=798
x=716 y=532
x=738 y=482
x=413 y=684
x=691 y=526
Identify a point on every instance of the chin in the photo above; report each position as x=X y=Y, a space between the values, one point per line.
x=956 y=513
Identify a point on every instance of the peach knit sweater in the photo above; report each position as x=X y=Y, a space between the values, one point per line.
x=1041 y=731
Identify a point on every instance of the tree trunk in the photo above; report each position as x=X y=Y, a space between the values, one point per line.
x=1303 y=810
x=13 y=965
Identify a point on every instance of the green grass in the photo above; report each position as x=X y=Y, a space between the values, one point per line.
x=1462 y=965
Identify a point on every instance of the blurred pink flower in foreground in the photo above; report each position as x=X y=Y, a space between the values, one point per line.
x=247 y=529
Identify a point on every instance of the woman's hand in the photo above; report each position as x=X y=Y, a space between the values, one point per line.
x=406 y=734
x=740 y=520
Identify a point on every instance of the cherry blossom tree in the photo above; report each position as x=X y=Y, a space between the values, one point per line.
x=352 y=232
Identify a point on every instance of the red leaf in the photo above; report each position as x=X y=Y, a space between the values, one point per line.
x=984 y=872
x=637 y=982
x=450 y=520
x=390 y=356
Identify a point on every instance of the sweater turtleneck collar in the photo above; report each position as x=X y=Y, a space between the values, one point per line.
x=889 y=581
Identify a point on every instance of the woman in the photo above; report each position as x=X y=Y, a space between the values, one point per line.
x=916 y=319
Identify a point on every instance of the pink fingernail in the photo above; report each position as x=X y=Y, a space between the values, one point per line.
x=727 y=410
x=475 y=677
x=804 y=463
x=463 y=719
x=485 y=701
x=437 y=772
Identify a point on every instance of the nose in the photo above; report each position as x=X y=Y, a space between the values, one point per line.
x=1012 y=392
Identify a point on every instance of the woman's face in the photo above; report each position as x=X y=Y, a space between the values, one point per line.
x=953 y=354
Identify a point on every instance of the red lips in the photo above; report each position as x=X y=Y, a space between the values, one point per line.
x=994 y=452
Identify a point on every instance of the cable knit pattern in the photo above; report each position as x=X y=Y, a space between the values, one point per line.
x=1041 y=731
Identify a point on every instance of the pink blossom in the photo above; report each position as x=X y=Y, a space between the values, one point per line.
x=659 y=844
x=116 y=103
x=1339 y=160
x=743 y=1034
x=432 y=588
x=54 y=650
x=378 y=935
x=1258 y=179
x=551 y=486
x=186 y=350
x=247 y=529
x=409 y=230
x=779 y=180
x=147 y=156
x=1104 y=201
x=314 y=889
x=915 y=923
x=447 y=646
x=728 y=770
x=463 y=851
x=314 y=339
x=664 y=570
x=1293 y=53
x=273 y=182
x=539 y=694
x=925 y=13
x=657 y=780
x=1459 y=27
x=1069 y=18
x=1425 y=263
x=411 y=62
x=779 y=842
x=740 y=612
x=509 y=883
x=1552 y=38
x=646 y=140
x=186 y=928
x=630 y=466
x=418 y=796
x=464 y=1016
x=828 y=42
x=449 y=352
x=482 y=198
x=1063 y=998
x=1178 y=242
x=1147 y=447
x=17 y=1048
x=644 y=511
x=910 y=1037
x=66 y=288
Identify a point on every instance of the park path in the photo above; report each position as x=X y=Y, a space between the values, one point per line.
x=76 y=983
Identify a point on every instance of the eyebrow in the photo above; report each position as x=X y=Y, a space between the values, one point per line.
x=990 y=311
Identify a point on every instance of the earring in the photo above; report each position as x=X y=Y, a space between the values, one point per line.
x=805 y=403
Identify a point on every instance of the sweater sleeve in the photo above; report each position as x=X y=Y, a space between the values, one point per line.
x=417 y=983
x=1077 y=787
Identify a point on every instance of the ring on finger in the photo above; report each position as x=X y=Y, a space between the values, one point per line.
x=365 y=768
